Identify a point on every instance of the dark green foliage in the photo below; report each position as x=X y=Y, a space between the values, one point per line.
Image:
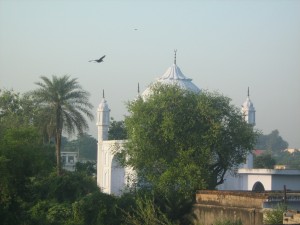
x=275 y=145
x=96 y=208
x=272 y=142
x=180 y=142
x=264 y=161
x=290 y=159
x=85 y=145
x=87 y=168
x=275 y=216
x=30 y=191
x=146 y=212
x=65 y=188
x=22 y=158
x=117 y=130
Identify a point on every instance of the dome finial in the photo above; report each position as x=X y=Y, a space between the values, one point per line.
x=138 y=88
x=175 y=50
x=248 y=92
x=103 y=94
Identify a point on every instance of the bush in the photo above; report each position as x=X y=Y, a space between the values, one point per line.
x=275 y=216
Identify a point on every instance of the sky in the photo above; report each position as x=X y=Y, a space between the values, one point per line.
x=224 y=46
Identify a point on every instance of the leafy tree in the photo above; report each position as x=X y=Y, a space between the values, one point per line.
x=16 y=110
x=146 y=212
x=117 y=130
x=286 y=158
x=272 y=142
x=264 y=161
x=180 y=141
x=275 y=216
x=23 y=158
x=66 y=103
x=86 y=145
x=97 y=208
x=88 y=168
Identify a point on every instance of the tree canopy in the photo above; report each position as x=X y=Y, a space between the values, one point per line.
x=65 y=105
x=179 y=141
x=272 y=142
x=265 y=161
x=117 y=130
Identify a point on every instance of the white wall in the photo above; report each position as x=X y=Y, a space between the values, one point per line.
x=266 y=180
x=292 y=182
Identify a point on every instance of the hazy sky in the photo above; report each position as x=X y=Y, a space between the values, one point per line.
x=223 y=46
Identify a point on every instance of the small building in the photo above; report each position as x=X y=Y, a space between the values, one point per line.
x=262 y=180
x=69 y=160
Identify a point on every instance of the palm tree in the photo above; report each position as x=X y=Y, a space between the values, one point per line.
x=66 y=104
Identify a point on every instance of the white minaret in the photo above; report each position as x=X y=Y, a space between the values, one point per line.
x=248 y=111
x=103 y=120
x=103 y=125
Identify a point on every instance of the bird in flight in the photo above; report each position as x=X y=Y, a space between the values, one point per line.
x=98 y=60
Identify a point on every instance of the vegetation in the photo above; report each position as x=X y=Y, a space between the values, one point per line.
x=275 y=216
x=180 y=142
x=146 y=212
x=190 y=140
x=64 y=104
x=272 y=142
x=85 y=145
x=275 y=145
x=117 y=130
x=264 y=161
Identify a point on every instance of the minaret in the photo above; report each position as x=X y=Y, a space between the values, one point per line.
x=248 y=110
x=103 y=120
x=103 y=125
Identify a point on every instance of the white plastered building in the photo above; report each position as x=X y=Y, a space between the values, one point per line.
x=111 y=177
x=114 y=179
x=247 y=178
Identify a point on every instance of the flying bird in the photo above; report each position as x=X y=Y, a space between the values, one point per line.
x=98 y=60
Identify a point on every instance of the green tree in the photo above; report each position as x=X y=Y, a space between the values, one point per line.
x=86 y=145
x=16 y=110
x=146 y=212
x=66 y=104
x=264 y=161
x=272 y=142
x=117 y=130
x=180 y=141
x=23 y=158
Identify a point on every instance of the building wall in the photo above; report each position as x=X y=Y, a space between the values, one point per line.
x=292 y=182
x=212 y=206
x=265 y=179
x=246 y=206
x=111 y=177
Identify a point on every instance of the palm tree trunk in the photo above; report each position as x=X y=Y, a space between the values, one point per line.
x=58 y=132
x=57 y=148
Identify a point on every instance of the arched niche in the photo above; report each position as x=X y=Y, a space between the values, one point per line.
x=258 y=187
x=117 y=176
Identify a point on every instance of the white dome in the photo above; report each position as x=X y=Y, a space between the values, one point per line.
x=174 y=76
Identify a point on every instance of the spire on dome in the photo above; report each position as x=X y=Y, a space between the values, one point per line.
x=175 y=50
x=248 y=92
x=103 y=94
x=138 y=88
